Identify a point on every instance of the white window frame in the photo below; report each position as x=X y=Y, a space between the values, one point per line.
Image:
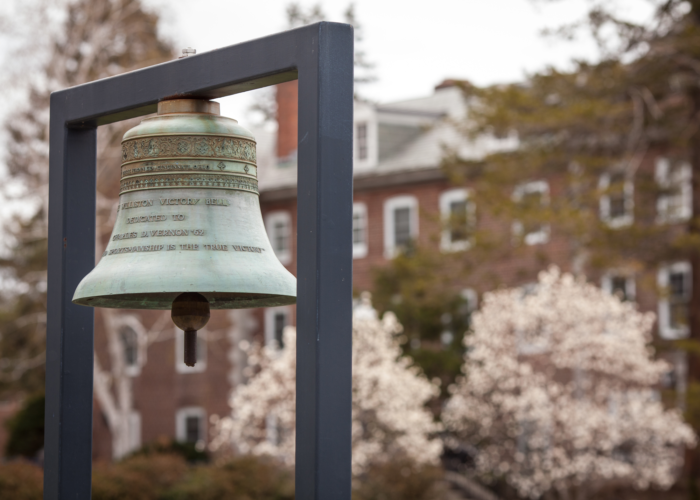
x=202 y=348
x=446 y=199
x=272 y=219
x=270 y=313
x=181 y=423
x=604 y=203
x=665 y=329
x=359 y=250
x=391 y=204
x=606 y=283
x=541 y=236
x=681 y=179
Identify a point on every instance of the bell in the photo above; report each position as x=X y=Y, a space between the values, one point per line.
x=189 y=234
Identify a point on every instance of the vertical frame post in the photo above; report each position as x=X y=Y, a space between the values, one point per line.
x=324 y=271
x=69 y=328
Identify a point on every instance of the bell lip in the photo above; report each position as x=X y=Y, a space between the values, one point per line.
x=163 y=300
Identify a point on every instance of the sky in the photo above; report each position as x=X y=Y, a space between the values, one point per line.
x=414 y=45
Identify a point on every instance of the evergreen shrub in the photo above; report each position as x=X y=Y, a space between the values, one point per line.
x=242 y=478
x=139 y=477
x=400 y=480
x=26 y=429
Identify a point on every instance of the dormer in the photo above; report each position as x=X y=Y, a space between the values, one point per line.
x=365 y=144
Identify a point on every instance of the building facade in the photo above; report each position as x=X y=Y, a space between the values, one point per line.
x=401 y=195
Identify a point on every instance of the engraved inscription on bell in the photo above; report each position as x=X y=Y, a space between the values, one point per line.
x=220 y=202
x=189 y=146
x=135 y=204
x=179 y=201
x=124 y=236
x=146 y=218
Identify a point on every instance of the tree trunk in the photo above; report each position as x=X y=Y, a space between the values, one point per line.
x=114 y=389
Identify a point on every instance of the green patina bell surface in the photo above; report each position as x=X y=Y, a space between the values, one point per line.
x=188 y=219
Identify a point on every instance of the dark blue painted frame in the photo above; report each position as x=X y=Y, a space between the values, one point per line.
x=321 y=57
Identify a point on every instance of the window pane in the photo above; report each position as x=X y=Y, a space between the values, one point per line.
x=280 y=323
x=131 y=348
x=192 y=429
x=362 y=141
x=358 y=227
x=678 y=286
x=679 y=295
x=617 y=205
x=618 y=284
x=459 y=223
x=402 y=226
x=679 y=316
x=616 y=195
x=531 y=203
x=280 y=237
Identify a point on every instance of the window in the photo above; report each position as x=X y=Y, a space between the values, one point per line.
x=359 y=230
x=279 y=229
x=620 y=285
x=471 y=300
x=463 y=317
x=361 y=140
x=616 y=202
x=675 y=283
x=457 y=213
x=272 y=430
x=276 y=319
x=400 y=224
x=530 y=199
x=675 y=199
x=130 y=344
x=201 y=363
x=534 y=340
x=365 y=151
x=676 y=378
x=190 y=426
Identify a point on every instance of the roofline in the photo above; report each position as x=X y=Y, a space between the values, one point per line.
x=366 y=182
x=415 y=112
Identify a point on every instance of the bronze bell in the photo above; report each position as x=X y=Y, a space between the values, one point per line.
x=189 y=234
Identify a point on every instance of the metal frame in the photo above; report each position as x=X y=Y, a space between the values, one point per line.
x=321 y=57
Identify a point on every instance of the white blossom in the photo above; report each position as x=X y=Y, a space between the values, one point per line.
x=560 y=392
x=389 y=417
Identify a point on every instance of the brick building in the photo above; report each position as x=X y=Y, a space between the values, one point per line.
x=401 y=194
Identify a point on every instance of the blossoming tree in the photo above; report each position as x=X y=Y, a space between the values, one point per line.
x=388 y=400
x=560 y=393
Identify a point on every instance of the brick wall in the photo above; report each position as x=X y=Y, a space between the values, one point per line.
x=160 y=390
x=287 y=106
